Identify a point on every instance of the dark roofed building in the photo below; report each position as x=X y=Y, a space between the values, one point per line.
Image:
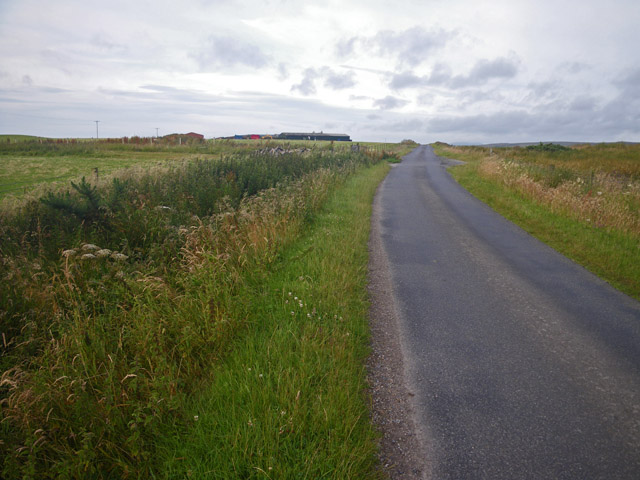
x=336 y=137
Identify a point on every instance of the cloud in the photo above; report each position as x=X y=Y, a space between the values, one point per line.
x=331 y=79
x=389 y=103
x=629 y=83
x=339 y=81
x=481 y=73
x=307 y=85
x=409 y=47
x=485 y=70
x=228 y=52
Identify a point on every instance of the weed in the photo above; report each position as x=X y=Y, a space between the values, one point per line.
x=117 y=298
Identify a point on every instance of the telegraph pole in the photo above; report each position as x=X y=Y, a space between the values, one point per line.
x=97 y=122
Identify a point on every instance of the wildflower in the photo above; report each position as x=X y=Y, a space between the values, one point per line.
x=283 y=413
x=290 y=292
x=260 y=375
x=599 y=193
x=90 y=247
x=87 y=256
x=195 y=418
x=292 y=313
x=250 y=423
x=105 y=252
x=119 y=256
x=69 y=253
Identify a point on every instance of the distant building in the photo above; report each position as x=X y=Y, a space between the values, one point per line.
x=336 y=137
x=194 y=135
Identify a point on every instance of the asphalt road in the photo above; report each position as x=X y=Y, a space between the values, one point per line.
x=523 y=364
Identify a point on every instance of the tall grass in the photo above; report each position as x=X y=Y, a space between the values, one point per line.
x=594 y=188
x=116 y=301
x=288 y=400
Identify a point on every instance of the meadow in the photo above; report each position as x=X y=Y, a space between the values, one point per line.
x=194 y=316
x=584 y=201
x=31 y=165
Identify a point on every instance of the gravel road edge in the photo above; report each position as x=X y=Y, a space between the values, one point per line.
x=402 y=453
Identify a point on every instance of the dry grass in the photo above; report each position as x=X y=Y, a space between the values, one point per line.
x=599 y=185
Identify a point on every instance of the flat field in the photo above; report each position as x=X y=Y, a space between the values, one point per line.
x=584 y=201
x=31 y=165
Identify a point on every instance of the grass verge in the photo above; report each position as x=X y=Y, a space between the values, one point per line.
x=609 y=252
x=289 y=400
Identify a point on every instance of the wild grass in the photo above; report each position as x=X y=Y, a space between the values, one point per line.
x=288 y=401
x=117 y=301
x=596 y=188
x=29 y=167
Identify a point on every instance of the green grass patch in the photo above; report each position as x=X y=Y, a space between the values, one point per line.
x=289 y=400
x=611 y=254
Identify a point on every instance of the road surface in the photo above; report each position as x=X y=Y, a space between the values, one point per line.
x=523 y=364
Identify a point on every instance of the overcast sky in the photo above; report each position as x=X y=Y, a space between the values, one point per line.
x=458 y=71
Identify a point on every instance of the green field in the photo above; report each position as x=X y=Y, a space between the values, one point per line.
x=583 y=201
x=146 y=324
x=28 y=166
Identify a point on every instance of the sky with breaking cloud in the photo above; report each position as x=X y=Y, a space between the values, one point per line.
x=457 y=71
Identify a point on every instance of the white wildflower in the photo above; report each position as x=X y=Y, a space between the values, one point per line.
x=69 y=253
x=195 y=418
x=87 y=256
x=89 y=247
x=119 y=256
x=105 y=252
x=599 y=193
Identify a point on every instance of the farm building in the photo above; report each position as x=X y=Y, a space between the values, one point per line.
x=337 y=137
x=181 y=138
x=194 y=135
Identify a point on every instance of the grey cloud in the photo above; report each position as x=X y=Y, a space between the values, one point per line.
x=405 y=126
x=403 y=80
x=307 y=86
x=573 y=67
x=331 y=79
x=629 y=83
x=283 y=71
x=613 y=121
x=583 y=104
x=27 y=80
x=345 y=47
x=228 y=52
x=481 y=73
x=389 y=103
x=410 y=47
x=486 y=70
x=339 y=81
x=102 y=42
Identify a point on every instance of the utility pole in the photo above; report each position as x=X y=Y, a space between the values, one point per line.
x=97 y=122
x=157 y=132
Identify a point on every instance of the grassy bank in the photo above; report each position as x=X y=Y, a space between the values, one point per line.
x=122 y=302
x=288 y=401
x=583 y=201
